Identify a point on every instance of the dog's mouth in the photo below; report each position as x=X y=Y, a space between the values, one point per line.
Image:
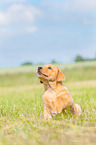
x=39 y=72
x=39 y=75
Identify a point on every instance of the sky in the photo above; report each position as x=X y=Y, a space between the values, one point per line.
x=40 y=31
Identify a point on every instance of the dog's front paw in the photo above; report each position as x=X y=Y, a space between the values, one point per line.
x=54 y=112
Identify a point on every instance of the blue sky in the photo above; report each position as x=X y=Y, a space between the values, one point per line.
x=43 y=30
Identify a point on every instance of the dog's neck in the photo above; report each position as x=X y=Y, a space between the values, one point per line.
x=52 y=85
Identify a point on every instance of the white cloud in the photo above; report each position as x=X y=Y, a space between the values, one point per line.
x=80 y=5
x=2 y=18
x=31 y=29
x=80 y=11
x=19 y=14
x=72 y=5
x=17 y=18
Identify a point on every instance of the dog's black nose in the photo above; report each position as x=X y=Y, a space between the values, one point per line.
x=39 y=69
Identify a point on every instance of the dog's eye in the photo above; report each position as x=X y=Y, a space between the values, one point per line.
x=49 y=68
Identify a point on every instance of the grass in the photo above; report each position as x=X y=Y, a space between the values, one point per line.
x=21 y=109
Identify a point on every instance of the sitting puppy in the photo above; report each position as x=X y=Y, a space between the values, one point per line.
x=56 y=97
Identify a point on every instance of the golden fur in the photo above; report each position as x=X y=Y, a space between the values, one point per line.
x=56 y=97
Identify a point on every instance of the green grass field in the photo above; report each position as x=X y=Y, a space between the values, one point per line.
x=21 y=109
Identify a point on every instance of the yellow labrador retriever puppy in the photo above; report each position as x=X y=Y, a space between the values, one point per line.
x=56 y=97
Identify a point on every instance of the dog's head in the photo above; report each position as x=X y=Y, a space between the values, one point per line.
x=50 y=73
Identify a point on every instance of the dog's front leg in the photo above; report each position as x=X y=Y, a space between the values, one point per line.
x=56 y=109
x=47 y=112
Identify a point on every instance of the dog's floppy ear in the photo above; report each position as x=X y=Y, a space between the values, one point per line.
x=60 y=76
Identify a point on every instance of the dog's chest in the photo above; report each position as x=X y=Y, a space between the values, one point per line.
x=49 y=96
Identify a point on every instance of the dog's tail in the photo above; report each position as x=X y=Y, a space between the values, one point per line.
x=76 y=110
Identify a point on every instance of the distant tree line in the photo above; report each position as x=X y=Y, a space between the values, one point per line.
x=26 y=63
x=30 y=63
x=80 y=58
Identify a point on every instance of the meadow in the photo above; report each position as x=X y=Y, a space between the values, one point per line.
x=21 y=109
